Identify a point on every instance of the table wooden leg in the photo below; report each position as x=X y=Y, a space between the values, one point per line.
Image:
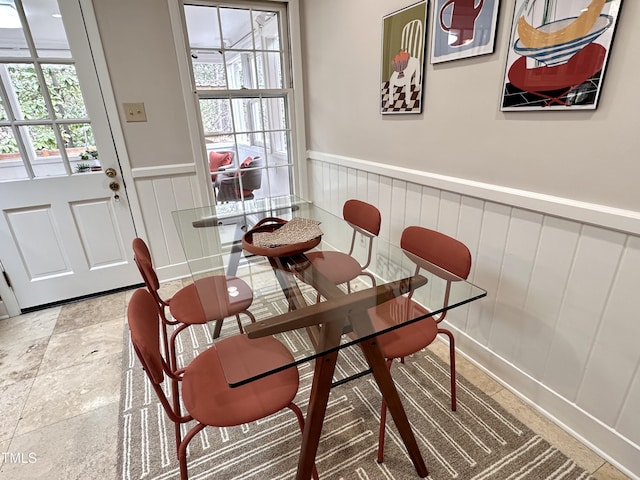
x=318 y=398
x=384 y=380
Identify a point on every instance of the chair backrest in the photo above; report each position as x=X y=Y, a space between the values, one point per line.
x=142 y=257
x=437 y=248
x=411 y=41
x=362 y=215
x=144 y=325
x=251 y=179
x=217 y=160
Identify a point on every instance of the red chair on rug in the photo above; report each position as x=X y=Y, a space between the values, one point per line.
x=206 y=395
x=452 y=259
x=208 y=299
x=340 y=267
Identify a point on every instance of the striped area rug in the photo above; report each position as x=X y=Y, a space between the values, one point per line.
x=480 y=441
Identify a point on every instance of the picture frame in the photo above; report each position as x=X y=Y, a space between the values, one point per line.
x=463 y=28
x=558 y=54
x=404 y=34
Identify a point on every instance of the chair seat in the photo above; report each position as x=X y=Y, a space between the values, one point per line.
x=338 y=267
x=209 y=399
x=210 y=298
x=409 y=339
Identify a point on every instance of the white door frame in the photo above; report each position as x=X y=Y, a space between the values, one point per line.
x=111 y=108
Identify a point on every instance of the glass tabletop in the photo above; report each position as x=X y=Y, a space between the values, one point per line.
x=283 y=290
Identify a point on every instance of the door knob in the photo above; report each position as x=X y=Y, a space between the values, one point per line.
x=111 y=172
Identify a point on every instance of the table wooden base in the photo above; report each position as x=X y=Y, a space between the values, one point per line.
x=327 y=336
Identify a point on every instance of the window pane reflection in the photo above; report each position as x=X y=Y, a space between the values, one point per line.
x=49 y=37
x=216 y=116
x=265 y=30
x=11 y=164
x=48 y=159
x=241 y=70
x=14 y=43
x=236 y=28
x=64 y=91
x=204 y=22
x=26 y=86
x=269 y=70
x=247 y=114
x=208 y=69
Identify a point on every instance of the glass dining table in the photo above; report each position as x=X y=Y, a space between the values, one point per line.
x=212 y=239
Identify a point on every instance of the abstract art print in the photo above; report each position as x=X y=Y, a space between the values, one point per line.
x=463 y=28
x=403 y=43
x=558 y=54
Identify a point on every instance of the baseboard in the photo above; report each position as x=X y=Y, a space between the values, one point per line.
x=620 y=452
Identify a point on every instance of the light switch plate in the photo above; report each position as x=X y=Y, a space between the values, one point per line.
x=134 y=112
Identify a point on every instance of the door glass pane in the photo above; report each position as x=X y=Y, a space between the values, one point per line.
x=44 y=106
x=80 y=146
x=64 y=89
x=3 y=113
x=203 y=27
x=48 y=35
x=14 y=43
x=216 y=116
x=27 y=89
x=11 y=165
x=48 y=159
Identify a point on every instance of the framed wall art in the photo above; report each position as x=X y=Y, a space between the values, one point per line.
x=558 y=54
x=403 y=47
x=462 y=28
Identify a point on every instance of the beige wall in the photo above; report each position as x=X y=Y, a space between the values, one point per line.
x=588 y=155
x=141 y=57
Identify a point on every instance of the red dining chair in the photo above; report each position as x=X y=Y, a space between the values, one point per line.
x=340 y=267
x=452 y=260
x=208 y=299
x=205 y=393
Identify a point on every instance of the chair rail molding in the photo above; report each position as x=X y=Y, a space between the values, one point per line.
x=592 y=213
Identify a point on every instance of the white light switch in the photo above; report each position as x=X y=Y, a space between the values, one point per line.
x=134 y=112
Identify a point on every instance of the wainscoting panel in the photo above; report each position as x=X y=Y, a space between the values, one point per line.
x=161 y=191
x=559 y=325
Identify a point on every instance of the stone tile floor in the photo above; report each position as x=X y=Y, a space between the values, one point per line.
x=60 y=383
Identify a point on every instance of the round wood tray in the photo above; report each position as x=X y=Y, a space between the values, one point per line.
x=271 y=224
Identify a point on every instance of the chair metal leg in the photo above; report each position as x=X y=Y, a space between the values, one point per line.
x=173 y=363
x=182 y=450
x=239 y=324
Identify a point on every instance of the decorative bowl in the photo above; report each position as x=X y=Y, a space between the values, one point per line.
x=560 y=53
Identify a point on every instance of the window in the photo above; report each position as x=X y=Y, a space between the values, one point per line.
x=240 y=69
x=44 y=125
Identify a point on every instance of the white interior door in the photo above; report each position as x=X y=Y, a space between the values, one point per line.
x=63 y=232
